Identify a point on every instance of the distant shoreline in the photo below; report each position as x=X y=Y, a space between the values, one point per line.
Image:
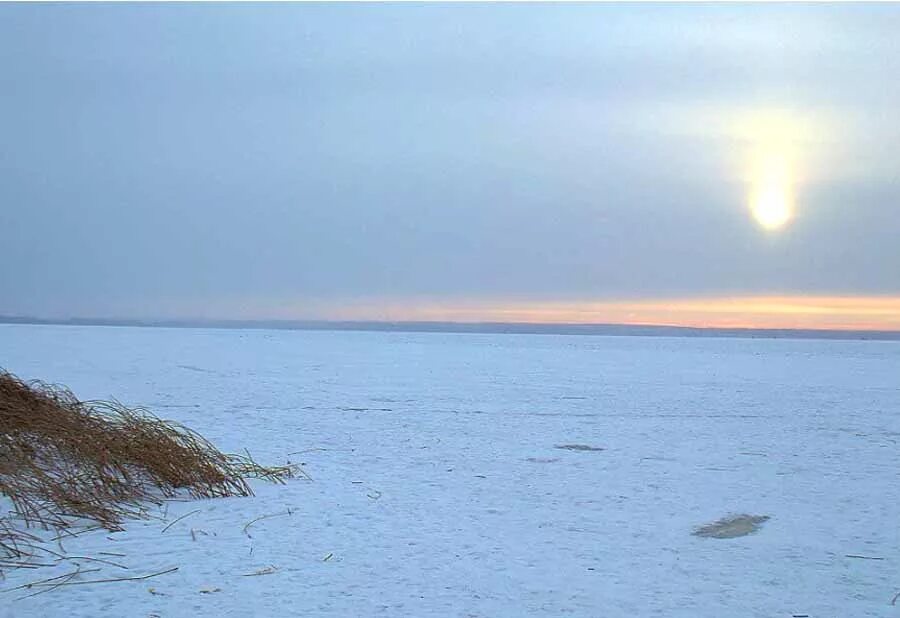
x=471 y=327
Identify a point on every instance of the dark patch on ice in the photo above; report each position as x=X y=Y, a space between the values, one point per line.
x=456 y=412
x=367 y=409
x=198 y=369
x=543 y=460
x=732 y=526
x=572 y=397
x=579 y=447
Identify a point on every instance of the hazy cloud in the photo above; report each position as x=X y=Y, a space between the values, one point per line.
x=165 y=159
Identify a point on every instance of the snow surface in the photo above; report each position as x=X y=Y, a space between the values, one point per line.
x=438 y=491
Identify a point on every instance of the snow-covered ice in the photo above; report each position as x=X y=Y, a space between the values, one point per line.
x=439 y=489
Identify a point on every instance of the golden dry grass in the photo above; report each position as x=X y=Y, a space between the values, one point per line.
x=64 y=460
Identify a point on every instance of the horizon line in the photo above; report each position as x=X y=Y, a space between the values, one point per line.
x=460 y=327
x=773 y=312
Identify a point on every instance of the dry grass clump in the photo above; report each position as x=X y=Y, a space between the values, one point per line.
x=62 y=460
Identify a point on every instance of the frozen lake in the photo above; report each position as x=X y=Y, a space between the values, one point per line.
x=438 y=488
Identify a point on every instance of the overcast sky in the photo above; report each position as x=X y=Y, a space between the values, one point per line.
x=227 y=160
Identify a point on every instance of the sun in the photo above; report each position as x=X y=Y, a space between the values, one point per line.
x=771 y=198
x=775 y=145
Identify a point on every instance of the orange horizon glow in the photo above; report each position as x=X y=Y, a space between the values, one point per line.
x=758 y=312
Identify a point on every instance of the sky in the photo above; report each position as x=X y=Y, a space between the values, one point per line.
x=706 y=165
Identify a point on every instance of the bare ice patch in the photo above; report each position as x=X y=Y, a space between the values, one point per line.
x=732 y=526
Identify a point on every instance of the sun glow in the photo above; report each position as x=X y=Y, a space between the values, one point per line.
x=771 y=199
x=774 y=142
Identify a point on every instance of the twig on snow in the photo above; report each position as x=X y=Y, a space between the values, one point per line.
x=116 y=579
x=260 y=518
x=44 y=582
x=175 y=521
x=101 y=560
